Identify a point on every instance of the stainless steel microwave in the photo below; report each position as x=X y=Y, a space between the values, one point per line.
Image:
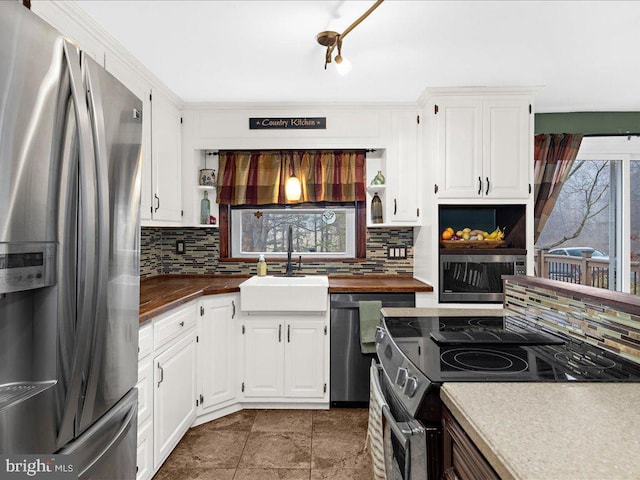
x=477 y=278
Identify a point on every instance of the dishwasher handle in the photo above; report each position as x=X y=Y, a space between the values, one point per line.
x=344 y=305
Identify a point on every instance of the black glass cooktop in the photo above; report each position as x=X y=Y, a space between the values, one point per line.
x=495 y=349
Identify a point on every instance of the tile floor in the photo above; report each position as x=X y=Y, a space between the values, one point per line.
x=274 y=445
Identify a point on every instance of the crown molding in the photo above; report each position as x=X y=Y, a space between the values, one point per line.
x=72 y=12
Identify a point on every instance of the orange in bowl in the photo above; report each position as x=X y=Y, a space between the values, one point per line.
x=446 y=235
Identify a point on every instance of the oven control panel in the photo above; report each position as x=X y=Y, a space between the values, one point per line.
x=25 y=266
x=408 y=384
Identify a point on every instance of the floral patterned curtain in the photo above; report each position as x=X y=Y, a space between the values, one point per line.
x=553 y=158
x=258 y=177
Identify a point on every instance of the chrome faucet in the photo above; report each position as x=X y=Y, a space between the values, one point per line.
x=289 y=271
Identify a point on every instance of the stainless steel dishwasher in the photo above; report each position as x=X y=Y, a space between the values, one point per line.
x=349 y=366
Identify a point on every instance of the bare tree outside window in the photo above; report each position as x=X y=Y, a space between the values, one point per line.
x=315 y=231
x=581 y=215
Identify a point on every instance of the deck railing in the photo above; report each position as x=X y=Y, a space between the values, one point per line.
x=584 y=271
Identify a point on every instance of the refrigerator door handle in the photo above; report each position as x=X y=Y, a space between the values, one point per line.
x=101 y=209
x=117 y=438
x=86 y=247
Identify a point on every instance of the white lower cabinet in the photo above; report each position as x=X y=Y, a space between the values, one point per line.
x=174 y=398
x=264 y=358
x=304 y=359
x=216 y=352
x=190 y=359
x=144 y=459
x=285 y=357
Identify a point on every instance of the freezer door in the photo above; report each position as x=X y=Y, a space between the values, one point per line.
x=107 y=450
x=115 y=115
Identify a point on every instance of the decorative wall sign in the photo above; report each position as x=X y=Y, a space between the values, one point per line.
x=288 y=123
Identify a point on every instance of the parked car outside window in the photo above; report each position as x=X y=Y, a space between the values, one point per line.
x=577 y=252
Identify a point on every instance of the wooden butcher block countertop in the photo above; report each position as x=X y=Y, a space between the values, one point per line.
x=376 y=283
x=162 y=293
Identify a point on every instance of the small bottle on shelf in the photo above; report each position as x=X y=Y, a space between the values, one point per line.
x=376 y=209
x=205 y=209
x=378 y=179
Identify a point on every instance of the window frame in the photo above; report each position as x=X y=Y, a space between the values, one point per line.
x=360 y=235
x=236 y=231
x=615 y=148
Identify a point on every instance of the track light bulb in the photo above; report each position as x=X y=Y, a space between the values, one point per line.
x=343 y=65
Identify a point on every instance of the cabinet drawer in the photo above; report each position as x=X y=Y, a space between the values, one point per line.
x=145 y=340
x=172 y=324
x=145 y=390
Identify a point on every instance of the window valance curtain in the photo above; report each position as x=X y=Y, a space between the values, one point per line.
x=258 y=177
x=553 y=158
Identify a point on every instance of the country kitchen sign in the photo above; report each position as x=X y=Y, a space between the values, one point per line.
x=288 y=123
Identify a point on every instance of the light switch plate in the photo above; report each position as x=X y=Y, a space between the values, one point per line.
x=180 y=247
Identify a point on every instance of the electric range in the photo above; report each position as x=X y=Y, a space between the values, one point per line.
x=418 y=354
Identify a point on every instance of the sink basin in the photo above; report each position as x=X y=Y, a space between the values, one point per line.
x=285 y=294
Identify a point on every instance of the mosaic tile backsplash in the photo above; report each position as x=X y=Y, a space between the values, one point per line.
x=588 y=320
x=158 y=254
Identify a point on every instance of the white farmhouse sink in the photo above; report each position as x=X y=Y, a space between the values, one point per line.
x=285 y=294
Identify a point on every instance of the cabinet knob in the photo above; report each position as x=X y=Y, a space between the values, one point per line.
x=487 y=191
x=479 y=185
x=182 y=323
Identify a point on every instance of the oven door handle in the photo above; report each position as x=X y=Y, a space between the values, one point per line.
x=402 y=434
x=401 y=431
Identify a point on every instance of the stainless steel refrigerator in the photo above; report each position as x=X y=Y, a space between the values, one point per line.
x=69 y=265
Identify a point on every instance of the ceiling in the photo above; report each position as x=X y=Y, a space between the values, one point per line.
x=582 y=54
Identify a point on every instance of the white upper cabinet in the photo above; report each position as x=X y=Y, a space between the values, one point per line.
x=507 y=140
x=400 y=164
x=482 y=146
x=404 y=169
x=166 y=202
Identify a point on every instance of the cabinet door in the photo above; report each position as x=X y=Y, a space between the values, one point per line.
x=459 y=147
x=134 y=82
x=175 y=395
x=216 y=362
x=404 y=170
x=507 y=140
x=263 y=357
x=165 y=158
x=304 y=362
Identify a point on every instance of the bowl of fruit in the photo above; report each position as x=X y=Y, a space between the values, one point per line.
x=468 y=238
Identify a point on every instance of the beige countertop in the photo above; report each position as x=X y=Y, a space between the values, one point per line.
x=438 y=312
x=552 y=431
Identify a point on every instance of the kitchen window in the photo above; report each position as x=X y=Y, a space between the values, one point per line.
x=598 y=208
x=328 y=220
x=317 y=232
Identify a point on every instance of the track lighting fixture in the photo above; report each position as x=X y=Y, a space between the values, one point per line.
x=333 y=40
